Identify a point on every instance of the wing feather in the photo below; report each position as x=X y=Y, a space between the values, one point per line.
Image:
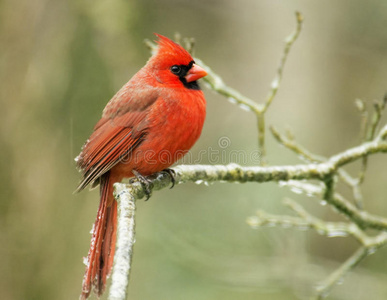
x=122 y=128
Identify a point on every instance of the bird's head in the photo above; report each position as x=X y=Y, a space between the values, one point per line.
x=172 y=65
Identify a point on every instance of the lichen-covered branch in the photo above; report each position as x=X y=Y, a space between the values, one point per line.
x=323 y=171
x=125 y=241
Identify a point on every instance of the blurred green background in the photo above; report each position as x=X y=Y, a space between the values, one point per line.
x=61 y=61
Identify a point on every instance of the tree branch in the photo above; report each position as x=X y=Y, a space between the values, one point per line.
x=236 y=173
x=127 y=194
x=125 y=241
x=288 y=45
x=319 y=171
x=324 y=288
x=330 y=229
x=306 y=155
x=325 y=170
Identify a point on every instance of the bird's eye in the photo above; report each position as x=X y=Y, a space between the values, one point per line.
x=176 y=69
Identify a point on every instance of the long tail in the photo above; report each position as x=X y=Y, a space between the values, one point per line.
x=101 y=253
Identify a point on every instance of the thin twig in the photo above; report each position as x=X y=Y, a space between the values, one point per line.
x=291 y=144
x=260 y=114
x=337 y=201
x=376 y=117
x=330 y=229
x=370 y=246
x=216 y=83
x=324 y=288
x=306 y=221
x=360 y=105
x=288 y=45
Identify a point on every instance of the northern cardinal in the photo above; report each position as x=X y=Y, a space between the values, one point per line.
x=151 y=122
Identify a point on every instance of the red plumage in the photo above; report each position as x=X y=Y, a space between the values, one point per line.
x=151 y=122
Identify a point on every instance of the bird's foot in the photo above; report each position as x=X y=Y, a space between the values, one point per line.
x=171 y=174
x=146 y=184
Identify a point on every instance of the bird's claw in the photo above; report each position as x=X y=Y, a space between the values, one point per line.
x=146 y=184
x=172 y=174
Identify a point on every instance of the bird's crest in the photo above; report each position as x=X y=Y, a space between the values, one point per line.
x=170 y=51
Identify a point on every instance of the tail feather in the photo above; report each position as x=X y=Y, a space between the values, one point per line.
x=101 y=253
x=108 y=245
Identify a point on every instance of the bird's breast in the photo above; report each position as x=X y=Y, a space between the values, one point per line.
x=175 y=124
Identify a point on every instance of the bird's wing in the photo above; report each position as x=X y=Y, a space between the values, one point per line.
x=113 y=139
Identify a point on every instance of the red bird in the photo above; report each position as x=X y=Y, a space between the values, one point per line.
x=151 y=122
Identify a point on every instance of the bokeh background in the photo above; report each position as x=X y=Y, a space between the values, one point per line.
x=61 y=61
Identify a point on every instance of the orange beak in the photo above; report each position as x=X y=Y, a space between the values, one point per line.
x=195 y=73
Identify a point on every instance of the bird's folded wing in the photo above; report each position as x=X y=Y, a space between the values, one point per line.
x=111 y=142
